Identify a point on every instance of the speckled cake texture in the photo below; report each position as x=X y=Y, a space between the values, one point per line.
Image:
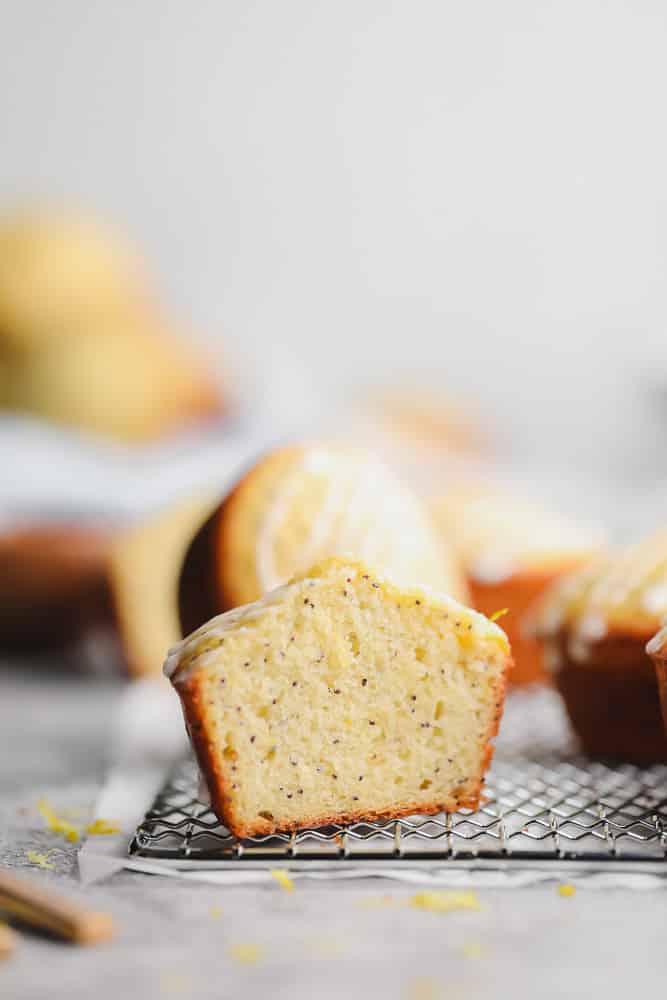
x=341 y=696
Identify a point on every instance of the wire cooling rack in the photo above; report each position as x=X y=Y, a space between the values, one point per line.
x=544 y=804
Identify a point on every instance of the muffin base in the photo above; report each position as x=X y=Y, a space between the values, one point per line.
x=612 y=699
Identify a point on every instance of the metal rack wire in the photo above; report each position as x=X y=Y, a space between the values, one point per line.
x=549 y=806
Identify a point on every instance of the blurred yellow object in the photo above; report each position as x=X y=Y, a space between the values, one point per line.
x=121 y=380
x=56 y=267
x=82 y=342
x=144 y=570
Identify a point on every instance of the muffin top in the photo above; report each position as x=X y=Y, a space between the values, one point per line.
x=621 y=593
x=497 y=535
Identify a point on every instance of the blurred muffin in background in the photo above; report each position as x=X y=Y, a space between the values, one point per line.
x=144 y=567
x=429 y=437
x=511 y=550
x=123 y=380
x=52 y=586
x=298 y=505
x=56 y=269
x=82 y=342
x=595 y=625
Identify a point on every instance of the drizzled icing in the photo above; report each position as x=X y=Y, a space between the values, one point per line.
x=626 y=591
x=193 y=653
x=365 y=511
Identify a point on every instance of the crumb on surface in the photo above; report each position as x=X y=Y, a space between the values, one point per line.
x=56 y=823
x=215 y=911
x=102 y=827
x=445 y=902
x=281 y=876
x=245 y=951
x=41 y=860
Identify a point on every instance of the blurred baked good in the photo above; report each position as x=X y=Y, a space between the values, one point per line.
x=657 y=650
x=58 y=268
x=427 y=436
x=298 y=505
x=52 y=585
x=339 y=697
x=595 y=626
x=82 y=341
x=512 y=550
x=143 y=572
x=124 y=381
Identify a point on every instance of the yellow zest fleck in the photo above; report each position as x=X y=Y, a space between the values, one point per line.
x=215 y=912
x=499 y=614
x=466 y=639
x=246 y=952
x=473 y=949
x=566 y=890
x=41 y=860
x=445 y=902
x=282 y=878
x=101 y=827
x=56 y=823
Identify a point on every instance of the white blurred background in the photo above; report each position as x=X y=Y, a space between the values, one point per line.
x=471 y=191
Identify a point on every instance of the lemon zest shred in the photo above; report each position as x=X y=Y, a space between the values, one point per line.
x=566 y=890
x=215 y=911
x=282 y=878
x=56 y=823
x=41 y=860
x=102 y=827
x=498 y=614
x=245 y=951
x=445 y=902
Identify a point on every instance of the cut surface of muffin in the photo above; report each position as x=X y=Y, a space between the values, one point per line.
x=299 y=505
x=339 y=696
x=512 y=551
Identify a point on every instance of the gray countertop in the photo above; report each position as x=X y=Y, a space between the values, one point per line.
x=357 y=938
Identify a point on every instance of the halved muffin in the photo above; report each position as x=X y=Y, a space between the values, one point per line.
x=512 y=551
x=595 y=626
x=301 y=504
x=338 y=696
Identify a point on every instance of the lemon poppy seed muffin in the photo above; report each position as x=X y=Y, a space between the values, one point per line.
x=512 y=551
x=657 y=650
x=595 y=626
x=299 y=505
x=338 y=696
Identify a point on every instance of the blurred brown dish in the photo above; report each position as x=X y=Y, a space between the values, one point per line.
x=52 y=586
x=512 y=552
x=595 y=626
